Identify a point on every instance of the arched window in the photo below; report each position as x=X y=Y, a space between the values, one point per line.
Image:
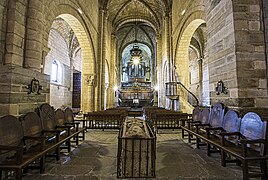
x=56 y=72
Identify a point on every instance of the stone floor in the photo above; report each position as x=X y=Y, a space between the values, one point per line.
x=95 y=158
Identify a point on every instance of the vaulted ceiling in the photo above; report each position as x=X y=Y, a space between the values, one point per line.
x=147 y=11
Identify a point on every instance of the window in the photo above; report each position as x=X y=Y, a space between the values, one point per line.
x=55 y=72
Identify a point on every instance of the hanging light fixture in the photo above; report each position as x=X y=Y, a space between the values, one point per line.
x=135 y=52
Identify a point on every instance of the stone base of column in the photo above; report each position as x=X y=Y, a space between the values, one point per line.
x=14 y=97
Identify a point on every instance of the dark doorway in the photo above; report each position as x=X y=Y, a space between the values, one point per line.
x=76 y=100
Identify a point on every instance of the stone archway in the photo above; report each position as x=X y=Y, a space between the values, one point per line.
x=88 y=70
x=182 y=56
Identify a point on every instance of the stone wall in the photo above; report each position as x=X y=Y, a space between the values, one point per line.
x=250 y=56
x=265 y=11
x=60 y=92
x=194 y=73
x=14 y=97
x=3 y=20
x=221 y=49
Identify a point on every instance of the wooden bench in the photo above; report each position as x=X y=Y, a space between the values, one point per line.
x=47 y=116
x=21 y=145
x=105 y=119
x=165 y=119
x=237 y=138
x=250 y=145
x=208 y=117
x=79 y=125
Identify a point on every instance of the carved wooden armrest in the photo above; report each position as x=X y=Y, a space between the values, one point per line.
x=254 y=141
x=18 y=149
x=56 y=131
x=14 y=148
x=245 y=142
x=41 y=139
x=68 y=126
x=209 y=129
x=201 y=125
x=223 y=134
x=73 y=123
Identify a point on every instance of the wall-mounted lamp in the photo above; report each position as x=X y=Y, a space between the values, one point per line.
x=34 y=86
x=220 y=88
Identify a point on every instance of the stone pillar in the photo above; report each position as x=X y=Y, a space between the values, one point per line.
x=265 y=22
x=112 y=78
x=200 y=77
x=71 y=72
x=168 y=50
x=13 y=51
x=34 y=35
x=160 y=80
x=250 y=58
x=88 y=101
x=102 y=56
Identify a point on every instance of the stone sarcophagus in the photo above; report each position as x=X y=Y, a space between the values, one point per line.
x=136 y=150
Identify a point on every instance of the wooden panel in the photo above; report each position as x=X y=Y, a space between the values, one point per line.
x=216 y=115
x=252 y=126
x=231 y=121
x=69 y=115
x=47 y=115
x=196 y=113
x=32 y=126
x=59 y=117
x=10 y=131
x=204 y=116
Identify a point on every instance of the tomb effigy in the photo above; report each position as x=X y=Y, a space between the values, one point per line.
x=136 y=150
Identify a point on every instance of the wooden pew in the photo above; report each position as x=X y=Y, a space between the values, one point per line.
x=250 y=146
x=47 y=115
x=23 y=144
x=79 y=129
x=191 y=127
x=194 y=118
x=165 y=119
x=111 y=119
x=245 y=140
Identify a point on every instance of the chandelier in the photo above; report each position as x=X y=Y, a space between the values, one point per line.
x=135 y=52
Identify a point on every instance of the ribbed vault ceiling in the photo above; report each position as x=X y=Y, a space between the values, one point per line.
x=123 y=11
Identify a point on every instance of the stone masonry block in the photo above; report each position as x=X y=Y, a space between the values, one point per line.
x=6 y=109
x=257 y=73
x=259 y=64
x=254 y=25
x=254 y=8
x=263 y=83
x=248 y=83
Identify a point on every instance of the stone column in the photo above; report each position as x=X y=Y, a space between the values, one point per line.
x=112 y=80
x=15 y=35
x=102 y=56
x=34 y=35
x=167 y=32
x=200 y=77
x=71 y=72
x=88 y=103
x=159 y=62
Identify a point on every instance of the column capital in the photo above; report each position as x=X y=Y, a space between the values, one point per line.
x=89 y=79
x=200 y=61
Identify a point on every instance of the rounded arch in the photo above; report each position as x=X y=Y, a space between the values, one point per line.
x=84 y=31
x=181 y=53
